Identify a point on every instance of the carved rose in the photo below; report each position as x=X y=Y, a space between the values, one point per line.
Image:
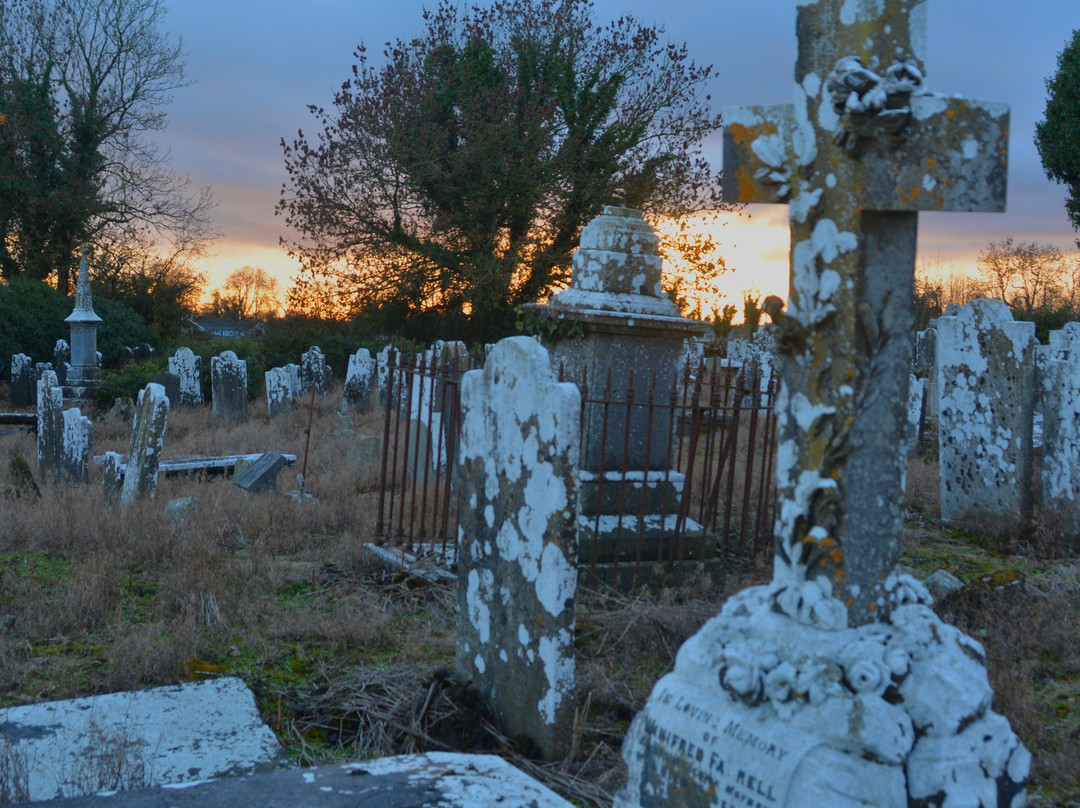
x=869 y=676
x=898 y=660
x=780 y=682
x=741 y=673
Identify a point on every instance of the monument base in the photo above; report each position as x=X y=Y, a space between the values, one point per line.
x=770 y=711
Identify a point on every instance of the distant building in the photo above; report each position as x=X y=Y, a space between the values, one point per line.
x=227 y=327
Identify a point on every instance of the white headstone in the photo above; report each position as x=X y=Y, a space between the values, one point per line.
x=517 y=551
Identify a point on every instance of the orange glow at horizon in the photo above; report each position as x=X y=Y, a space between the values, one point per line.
x=754 y=248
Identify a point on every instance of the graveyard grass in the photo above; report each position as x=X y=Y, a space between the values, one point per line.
x=349 y=659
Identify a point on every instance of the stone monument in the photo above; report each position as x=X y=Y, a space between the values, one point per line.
x=630 y=336
x=836 y=685
x=84 y=374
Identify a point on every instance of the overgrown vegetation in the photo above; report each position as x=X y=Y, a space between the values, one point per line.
x=348 y=659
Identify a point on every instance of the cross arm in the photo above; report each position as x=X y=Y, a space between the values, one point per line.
x=758 y=153
x=952 y=156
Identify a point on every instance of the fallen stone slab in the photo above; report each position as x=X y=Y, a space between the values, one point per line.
x=262 y=474
x=434 y=780
x=224 y=464
x=165 y=736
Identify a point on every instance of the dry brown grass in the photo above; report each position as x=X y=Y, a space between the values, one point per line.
x=347 y=659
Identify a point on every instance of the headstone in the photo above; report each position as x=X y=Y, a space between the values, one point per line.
x=358 y=382
x=383 y=359
x=1060 y=396
x=62 y=360
x=112 y=480
x=22 y=479
x=228 y=381
x=147 y=441
x=313 y=371
x=279 y=391
x=366 y=450
x=916 y=412
x=517 y=552
x=188 y=366
x=430 y=403
x=50 y=433
x=78 y=446
x=171 y=382
x=293 y=371
x=261 y=475
x=182 y=510
x=179 y=734
x=986 y=384
x=836 y=684
x=22 y=380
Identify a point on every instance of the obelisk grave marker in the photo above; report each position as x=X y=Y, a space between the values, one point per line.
x=836 y=685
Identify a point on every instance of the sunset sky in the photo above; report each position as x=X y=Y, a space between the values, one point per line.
x=257 y=65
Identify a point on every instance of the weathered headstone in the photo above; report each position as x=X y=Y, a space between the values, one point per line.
x=22 y=380
x=517 y=553
x=383 y=360
x=171 y=382
x=50 y=433
x=358 y=382
x=836 y=685
x=182 y=510
x=986 y=388
x=62 y=360
x=1060 y=396
x=279 y=391
x=366 y=450
x=916 y=412
x=313 y=370
x=261 y=475
x=147 y=442
x=112 y=480
x=78 y=446
x=228 y=382
x=186 y=364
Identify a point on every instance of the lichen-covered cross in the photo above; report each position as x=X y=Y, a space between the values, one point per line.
x=863 y=149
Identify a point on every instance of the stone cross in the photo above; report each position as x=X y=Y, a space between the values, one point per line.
x=864 y=147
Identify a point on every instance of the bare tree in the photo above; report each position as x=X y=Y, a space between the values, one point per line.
x=249 y=292
x=1024 y=275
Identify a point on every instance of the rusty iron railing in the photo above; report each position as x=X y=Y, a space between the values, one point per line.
x=421 y=425
x=707 y=492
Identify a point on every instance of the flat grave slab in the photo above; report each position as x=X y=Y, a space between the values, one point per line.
x=223 y=464
x=434 y=780
x=167 y=735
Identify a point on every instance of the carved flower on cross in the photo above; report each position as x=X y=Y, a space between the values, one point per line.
x=870 y=105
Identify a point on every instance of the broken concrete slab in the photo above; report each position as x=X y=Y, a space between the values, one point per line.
x=168 y=735
x=434 y=780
